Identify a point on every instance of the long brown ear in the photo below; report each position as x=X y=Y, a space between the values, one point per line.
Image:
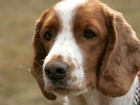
x=121 y=61
x=39 y=55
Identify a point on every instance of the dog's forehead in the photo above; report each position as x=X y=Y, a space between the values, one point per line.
x=67 y=8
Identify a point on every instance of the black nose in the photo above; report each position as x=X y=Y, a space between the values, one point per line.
x=56 y=70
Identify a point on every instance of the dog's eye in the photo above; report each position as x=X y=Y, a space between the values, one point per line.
x=89 y=34
x=48 y=35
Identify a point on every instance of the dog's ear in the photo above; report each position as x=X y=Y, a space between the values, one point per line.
x=39 y=55
x=121 y=60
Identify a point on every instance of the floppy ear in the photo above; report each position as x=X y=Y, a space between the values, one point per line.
x=121 y=60
x=39 y=55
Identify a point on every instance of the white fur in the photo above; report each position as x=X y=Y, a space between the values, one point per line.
x=94 y=97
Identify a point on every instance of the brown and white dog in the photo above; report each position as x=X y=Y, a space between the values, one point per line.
x=85 y=53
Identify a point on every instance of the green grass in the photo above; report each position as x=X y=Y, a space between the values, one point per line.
x=17 y=19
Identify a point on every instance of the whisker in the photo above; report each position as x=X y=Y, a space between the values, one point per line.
x=39 y=76
x=37 y=63
x=41 y=81
x=86 y=74
x=89 y=66
x=87 y=79
x=71 y=87
x=23 y=67
x=42 y=60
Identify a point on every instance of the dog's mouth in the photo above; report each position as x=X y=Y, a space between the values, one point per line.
x=64 y=87
x=63 y=78
x=60 y=87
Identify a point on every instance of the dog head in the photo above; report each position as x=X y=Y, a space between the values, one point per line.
x=83 y=44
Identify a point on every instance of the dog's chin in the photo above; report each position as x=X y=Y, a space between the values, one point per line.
x=63 y=88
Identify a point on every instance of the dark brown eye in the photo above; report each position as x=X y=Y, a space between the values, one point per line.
x=48 y=35
x=89 y=34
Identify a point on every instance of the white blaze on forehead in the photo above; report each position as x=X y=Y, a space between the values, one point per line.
x=65 y=44
x=65 y=9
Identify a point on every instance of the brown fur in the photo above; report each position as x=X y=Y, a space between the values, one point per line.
x=122 y=58
x=40 y=52
x=114 y=53
x=92 y=49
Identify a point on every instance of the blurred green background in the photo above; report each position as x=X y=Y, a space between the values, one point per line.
x=17 y=19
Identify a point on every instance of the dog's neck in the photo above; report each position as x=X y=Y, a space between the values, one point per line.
x=94 y=97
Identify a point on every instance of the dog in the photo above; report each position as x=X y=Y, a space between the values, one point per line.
x=85 y=53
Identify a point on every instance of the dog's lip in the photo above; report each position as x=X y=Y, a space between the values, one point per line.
x=60 y=89
x=64 y=88
x=59 y=84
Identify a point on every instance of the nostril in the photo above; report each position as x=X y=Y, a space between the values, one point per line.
x=60 y=71
x=48 y=71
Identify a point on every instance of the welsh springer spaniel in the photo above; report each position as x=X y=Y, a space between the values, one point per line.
x=85 y=53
